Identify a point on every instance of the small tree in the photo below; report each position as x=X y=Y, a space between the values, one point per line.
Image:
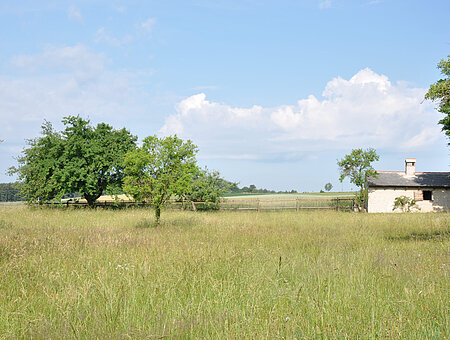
x=357 y=166
x=161 y=168
x=328 y=186
x=404 y=203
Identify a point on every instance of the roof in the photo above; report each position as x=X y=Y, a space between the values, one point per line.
x=421 y=179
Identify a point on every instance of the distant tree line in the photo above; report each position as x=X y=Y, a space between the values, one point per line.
x=10 y=192
x=252 y=189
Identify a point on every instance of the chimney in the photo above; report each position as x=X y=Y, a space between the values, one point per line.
x=410 y=166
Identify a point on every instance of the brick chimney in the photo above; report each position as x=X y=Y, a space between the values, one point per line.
x=410 y=166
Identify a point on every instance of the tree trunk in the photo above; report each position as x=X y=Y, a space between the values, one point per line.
x=90 y=202
x=157 y=215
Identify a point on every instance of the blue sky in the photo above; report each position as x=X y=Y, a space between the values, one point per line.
x=272 y=92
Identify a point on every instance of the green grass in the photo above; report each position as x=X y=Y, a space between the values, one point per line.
x=240 y=275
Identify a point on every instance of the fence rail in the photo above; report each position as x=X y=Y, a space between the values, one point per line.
x=229 y=204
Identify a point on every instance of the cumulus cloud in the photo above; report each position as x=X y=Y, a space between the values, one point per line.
x=365 y=110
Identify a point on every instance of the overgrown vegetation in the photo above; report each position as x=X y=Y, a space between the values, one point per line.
x=86 y=274
x=207 y=187
x=404 y=203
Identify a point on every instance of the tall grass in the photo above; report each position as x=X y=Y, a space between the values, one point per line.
x=108 y=274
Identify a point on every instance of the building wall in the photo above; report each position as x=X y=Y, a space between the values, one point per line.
x=382 y=199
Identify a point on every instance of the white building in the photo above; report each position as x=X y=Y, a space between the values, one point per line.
x=431 y=190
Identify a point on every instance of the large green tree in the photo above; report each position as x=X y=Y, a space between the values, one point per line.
x=357 y=166
x=161 y=168
x=439 y=92
x=81 y=158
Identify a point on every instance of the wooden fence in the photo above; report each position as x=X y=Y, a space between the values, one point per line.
x=230 y=204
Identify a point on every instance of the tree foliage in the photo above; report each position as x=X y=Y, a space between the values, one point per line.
x=328 y=186
x=161 y=168
x=357 y=167
x=81 y=158
x=208 y=187
x=439 y=92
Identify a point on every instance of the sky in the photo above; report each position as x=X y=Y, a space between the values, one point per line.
x=272 y=92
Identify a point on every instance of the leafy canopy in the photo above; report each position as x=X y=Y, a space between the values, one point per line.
x=440 y=93
x=357 y=167
x=81 y=158
x=161 y=168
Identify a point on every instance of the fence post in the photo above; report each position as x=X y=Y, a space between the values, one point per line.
x=257 y=207
x=193 y=206
x=297 y=204
x=337 y=203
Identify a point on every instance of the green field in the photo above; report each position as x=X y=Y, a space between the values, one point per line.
x=296 y=195
x=87 y=274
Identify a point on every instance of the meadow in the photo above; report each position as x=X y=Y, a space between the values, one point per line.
x=84 y=274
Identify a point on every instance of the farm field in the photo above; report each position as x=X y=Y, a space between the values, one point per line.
x=295 y=195
x=240 y=275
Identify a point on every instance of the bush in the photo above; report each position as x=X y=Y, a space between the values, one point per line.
x=405 y=203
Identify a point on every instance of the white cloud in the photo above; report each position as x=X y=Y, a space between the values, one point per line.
x=196 y=112
x=74 y=14
x=63 y=81
x=119 y=9
x=101 y=36
x=148 y=25
x=366 y=110
x=57 y=59
x=324 y=4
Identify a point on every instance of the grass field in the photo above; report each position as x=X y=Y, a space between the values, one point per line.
x=86 y=274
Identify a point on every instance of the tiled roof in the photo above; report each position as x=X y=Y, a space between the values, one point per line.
x=422 y=179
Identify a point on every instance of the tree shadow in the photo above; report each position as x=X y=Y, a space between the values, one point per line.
x=183 y=222
x=437 y=235
x=145 y=223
